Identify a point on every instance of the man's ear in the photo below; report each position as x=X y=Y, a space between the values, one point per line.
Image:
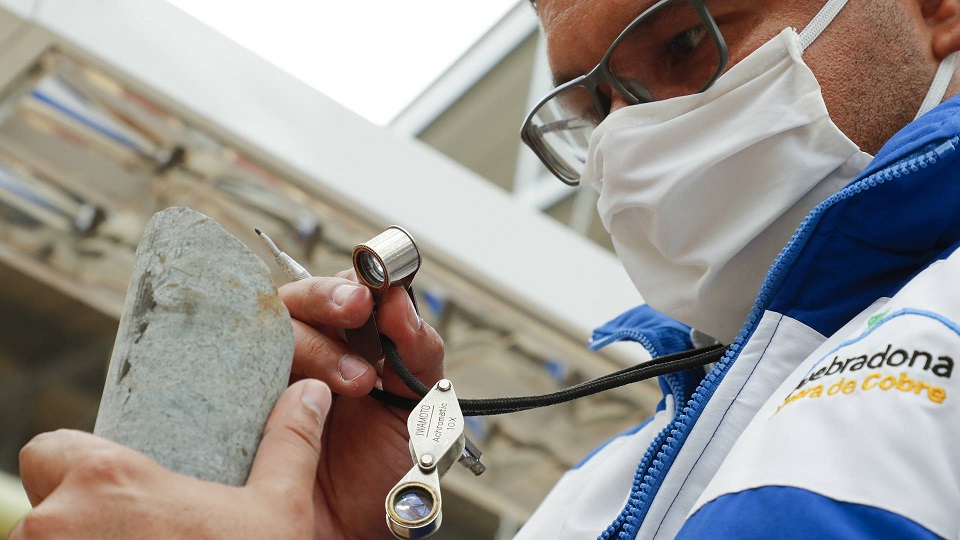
x=943 y=20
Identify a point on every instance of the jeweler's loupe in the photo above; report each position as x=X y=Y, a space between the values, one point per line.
x=436 y=443
x=413 y=510
x=390 y=259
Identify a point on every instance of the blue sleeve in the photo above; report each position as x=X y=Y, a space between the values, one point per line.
x=788 y=513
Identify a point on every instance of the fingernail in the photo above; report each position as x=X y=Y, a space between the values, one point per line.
x=413 y=318
x=351 y=368
x=316 y=396
x=343 y=292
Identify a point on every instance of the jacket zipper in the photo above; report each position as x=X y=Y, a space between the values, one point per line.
x=677 y=383
x=650 y=474
x=638 y=337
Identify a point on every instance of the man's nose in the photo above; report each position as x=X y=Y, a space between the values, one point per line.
x=618 y=102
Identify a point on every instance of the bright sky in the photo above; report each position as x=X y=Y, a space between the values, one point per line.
x=373 y=56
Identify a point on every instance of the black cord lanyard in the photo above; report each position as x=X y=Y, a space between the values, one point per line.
x=488 y=407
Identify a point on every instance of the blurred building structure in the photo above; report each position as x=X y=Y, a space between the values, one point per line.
x=473 y=112
x=107 y=115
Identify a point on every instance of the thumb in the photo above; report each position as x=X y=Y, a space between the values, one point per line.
x=290 y=449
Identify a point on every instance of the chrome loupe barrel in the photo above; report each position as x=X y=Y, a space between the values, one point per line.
x=389 y=258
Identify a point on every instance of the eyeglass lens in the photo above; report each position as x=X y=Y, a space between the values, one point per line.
x=670 y=52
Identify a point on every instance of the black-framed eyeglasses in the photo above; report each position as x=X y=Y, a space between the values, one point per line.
x=672 y=49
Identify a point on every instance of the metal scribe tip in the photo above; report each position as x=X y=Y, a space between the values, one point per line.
x=266 y=240
x=290 y=267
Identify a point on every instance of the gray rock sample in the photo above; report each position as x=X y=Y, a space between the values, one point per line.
x=203 y=351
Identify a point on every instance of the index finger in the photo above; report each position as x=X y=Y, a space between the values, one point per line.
x=328 y=301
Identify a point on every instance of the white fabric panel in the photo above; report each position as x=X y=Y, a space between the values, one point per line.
x=780 y=343
x=586 y=500
x=892 y=448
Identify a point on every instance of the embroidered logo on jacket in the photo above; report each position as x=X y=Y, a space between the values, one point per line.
x=941 y=366
x=862 y=373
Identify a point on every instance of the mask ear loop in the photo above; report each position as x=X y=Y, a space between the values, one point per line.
x=938 y=89
x=820 y=22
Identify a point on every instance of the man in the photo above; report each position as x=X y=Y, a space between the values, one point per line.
x=830 y=416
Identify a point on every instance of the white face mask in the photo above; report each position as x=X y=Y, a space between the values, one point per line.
x=700 y=193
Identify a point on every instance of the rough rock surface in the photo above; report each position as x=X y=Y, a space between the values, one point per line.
x=203 y=351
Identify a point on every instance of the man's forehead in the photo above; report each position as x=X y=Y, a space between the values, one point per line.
x=554 y=11
x=578 y=32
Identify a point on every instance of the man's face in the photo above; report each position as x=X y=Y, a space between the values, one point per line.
x=874 y=62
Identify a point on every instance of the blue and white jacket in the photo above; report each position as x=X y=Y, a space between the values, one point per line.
x=835 y=414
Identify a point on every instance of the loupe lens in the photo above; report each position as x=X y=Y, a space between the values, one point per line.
x=413 y=504
x=413 y=510
x=371 y=269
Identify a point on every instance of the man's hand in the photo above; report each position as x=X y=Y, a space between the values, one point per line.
x=85 y=487
x=311 y=478
x=365 y=450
